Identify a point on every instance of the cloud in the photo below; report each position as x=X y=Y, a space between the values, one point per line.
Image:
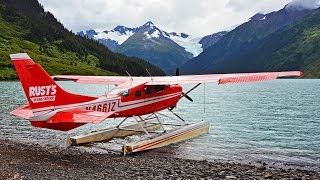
x=305 y=4
x=262 y=6
x=198 y=18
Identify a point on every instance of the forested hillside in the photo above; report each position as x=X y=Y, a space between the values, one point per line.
x=295 y=47
x=24 y=25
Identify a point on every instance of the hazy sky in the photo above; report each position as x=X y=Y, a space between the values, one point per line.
x=195 y=17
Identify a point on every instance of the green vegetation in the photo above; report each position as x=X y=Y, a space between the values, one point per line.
x=53 y=60
x=294 y=47
x=25 y=26
x=304 y=51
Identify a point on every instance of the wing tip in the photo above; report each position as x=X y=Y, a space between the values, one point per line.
x=301 y=73
x=19 y=56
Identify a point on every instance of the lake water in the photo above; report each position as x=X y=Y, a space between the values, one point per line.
x=277 y=122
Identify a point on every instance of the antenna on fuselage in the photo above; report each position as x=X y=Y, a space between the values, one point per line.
x=131 y=79
x=128 y=74
x=149 y=74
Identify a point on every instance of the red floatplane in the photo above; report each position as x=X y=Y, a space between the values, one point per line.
x=50 y=106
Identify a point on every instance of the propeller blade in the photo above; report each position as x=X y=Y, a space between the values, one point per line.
x=188 y=97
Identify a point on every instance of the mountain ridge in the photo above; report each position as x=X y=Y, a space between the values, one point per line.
x=223 y=57
x=166 y=50
x=125 y=32
x=170 y=49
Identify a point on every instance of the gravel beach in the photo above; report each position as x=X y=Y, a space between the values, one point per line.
x=20 y=161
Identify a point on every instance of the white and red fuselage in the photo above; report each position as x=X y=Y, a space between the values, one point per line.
x=52 y=107
x=136 y=101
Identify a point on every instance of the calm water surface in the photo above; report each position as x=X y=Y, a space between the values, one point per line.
x=277 y=122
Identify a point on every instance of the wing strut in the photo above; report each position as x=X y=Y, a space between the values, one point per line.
x=176 y=115
x=204 y=97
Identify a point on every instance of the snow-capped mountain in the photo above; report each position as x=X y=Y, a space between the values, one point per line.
x=113 y=38
x=117 y=36
x=166 y=50
x=154 y=45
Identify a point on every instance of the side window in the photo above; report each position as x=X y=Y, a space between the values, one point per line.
x=138 y=93
x=148 y=90
x=159 y=88
x=125 y=92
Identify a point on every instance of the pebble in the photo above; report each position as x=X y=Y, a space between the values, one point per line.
x=268 y=175
x=231 y=177
x=262 y=168
x=222 y=173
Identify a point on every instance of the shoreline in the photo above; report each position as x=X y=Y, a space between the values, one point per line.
x=30 y=161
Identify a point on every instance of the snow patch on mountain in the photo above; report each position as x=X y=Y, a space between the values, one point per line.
x=114 y=35
x=264 y=18
x=190 y=43
x=257 y=17
x=120 y=34
x=154 y=34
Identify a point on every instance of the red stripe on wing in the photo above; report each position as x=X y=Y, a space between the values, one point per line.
x=245 y=79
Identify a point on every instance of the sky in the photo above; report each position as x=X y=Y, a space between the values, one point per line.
x=194 y=17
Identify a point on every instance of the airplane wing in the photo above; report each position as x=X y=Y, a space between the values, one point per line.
x=79 y=116
x=186 y=79
x=224 y=78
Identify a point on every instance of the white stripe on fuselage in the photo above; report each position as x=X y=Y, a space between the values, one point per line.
x=43 y=114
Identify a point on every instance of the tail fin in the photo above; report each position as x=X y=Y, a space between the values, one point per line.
x=40 y=89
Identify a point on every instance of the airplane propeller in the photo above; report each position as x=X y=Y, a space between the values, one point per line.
x=182 y=93
x=186 y=96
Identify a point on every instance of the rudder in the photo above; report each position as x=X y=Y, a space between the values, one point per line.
x=40 y=89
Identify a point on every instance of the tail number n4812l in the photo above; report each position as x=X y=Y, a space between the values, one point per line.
x=105 y=107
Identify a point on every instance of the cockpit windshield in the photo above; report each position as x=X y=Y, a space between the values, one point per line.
x=119 y=91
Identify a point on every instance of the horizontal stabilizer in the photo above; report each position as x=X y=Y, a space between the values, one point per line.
x=24 y=112
x=79 y=116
